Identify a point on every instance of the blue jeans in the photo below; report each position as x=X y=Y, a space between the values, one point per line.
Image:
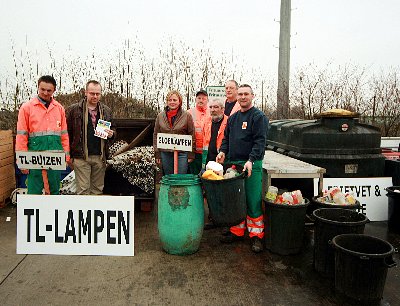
x=167 y=161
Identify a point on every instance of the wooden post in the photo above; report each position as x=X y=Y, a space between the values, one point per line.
x=175 y=162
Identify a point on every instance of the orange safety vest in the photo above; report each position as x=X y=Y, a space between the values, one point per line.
x=40 y=128
x=207 y=137
x=235 y=108
x=207 y=132
x=199 y=118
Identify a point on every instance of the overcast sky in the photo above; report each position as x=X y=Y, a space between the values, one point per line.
x=362 y=32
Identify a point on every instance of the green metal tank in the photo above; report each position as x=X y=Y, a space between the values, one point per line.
x=180 y=213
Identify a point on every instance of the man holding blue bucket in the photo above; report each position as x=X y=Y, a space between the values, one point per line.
x=244 y=144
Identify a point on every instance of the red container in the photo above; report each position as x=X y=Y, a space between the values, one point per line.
x=392 y=155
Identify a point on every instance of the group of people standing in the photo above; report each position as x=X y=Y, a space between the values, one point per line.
x=44 y=125
x=233 y=131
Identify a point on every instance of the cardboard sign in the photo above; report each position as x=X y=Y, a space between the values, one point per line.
x=40 y=160
x=174 y=142
x=216 y=92
x=75 y=225
x=369 y=191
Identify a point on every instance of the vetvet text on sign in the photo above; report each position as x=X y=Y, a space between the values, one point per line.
x=75 y=225
x=40 y=160
x=174 y=142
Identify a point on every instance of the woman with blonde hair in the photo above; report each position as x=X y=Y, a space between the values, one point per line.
x=173 y=120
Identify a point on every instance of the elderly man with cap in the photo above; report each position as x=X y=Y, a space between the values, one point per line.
x=200 y=114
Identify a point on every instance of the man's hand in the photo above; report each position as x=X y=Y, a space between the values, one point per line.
x=190 y=160
x=220 y=157
x=24 y=171
x=110 y=133
x=249 y=167
x=158 y=161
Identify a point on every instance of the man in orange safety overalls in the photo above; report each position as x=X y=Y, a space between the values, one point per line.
x=42 y=126
x=200 y=114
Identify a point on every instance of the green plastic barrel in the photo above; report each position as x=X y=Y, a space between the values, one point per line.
x=180 y=213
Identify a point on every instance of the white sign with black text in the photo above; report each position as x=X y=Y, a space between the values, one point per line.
x=369 y=191
x=75 y=225
x=40 y=160
x=174 y=142
x=216 y=92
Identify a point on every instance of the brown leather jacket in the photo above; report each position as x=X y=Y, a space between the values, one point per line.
x=76 y=133
x=183 y=125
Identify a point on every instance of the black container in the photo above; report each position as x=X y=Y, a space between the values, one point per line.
x=392 y=169
x=340 y=144
x=393 y=209
x=315 y=204
x=330 y=222
x=128 y=130
x=361 y=264
x=284 y=227
x=226 y=200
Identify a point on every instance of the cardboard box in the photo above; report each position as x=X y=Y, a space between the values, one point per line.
x=7 y=172
x=5 y=192
x=7 y=187
x=6 y=137
x=7 y=161
x=6 y=154
x=6 y=147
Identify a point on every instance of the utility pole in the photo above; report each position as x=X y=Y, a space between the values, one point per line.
x=284 y=61
x=262 y=95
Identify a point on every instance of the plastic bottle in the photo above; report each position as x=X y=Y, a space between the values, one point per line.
x=272 y=193
x=231 y=172
x=297 y=197
x=339 y=198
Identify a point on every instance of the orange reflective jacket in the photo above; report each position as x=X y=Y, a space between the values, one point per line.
x=235 y=108
x=199 y=118
x=207 y=137
x=40 y=128
x=207 y=133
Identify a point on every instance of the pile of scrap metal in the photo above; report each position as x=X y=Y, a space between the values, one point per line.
x=136 y=164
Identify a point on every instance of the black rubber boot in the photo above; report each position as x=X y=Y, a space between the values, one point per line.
x=256 y=245
x=229 y=238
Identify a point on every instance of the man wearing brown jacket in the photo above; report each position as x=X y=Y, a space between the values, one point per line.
x=89 y=152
